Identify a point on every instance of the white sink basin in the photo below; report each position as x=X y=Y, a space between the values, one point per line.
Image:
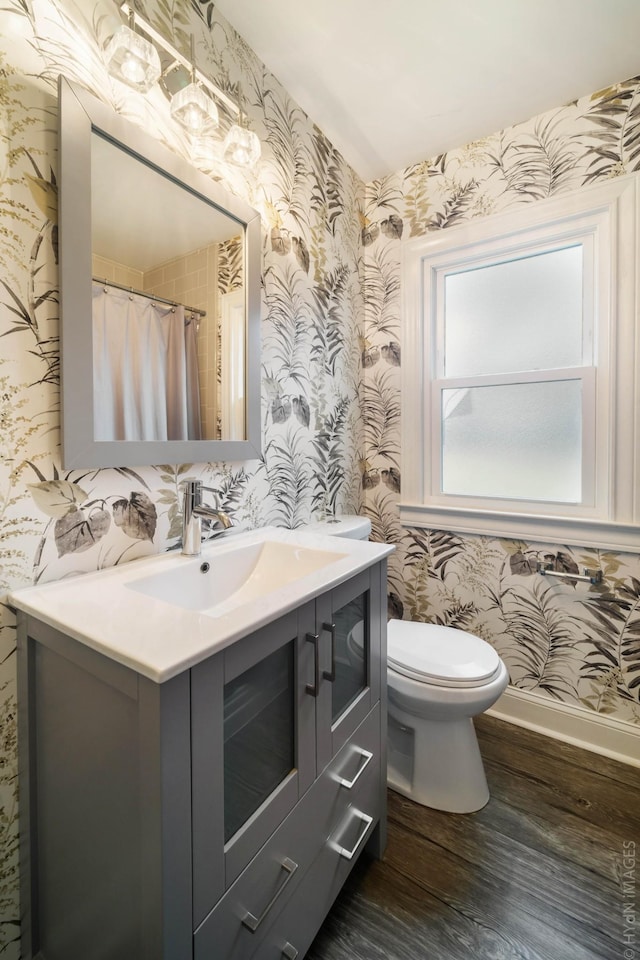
x=165 y=613
x=216 y=583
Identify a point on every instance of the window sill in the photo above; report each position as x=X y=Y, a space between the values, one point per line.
x=603 y=535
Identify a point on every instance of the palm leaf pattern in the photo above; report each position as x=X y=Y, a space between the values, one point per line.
x=538 y=164
x=385 y=524
x=382 y=415
x=456 y=206
x=329 y=458
x=230 y=265
x=477 y=563
x=327 y=190
x=290 y=319
x=382 y=286
x=541 y=641
x=416 y=193
x=613 y=628
x=439 y=546
x=615 y=115
x=288 y=472
x=285 y=125
x=329 y=332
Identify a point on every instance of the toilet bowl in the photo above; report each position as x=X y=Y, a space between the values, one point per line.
x=438 y=679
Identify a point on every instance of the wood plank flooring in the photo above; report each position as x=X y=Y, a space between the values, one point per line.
x=533 y=876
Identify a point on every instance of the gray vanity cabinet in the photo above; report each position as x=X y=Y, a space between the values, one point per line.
x=253 y=751
x=284 y=716
x=348 y=621
x=216 y=815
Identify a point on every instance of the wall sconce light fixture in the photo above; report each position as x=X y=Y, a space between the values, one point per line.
x=241 y=145
x=191 y=106
x=134 y=60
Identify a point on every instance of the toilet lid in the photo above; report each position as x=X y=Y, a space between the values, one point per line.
x=350 y=526
x=436 y=654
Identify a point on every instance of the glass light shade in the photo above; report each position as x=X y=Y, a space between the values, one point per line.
x=241 y=146
x=194 y=109
x=133 y=60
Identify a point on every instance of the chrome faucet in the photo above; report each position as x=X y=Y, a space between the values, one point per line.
x=194 y=512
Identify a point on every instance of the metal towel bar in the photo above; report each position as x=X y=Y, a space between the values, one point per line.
x=589 y=576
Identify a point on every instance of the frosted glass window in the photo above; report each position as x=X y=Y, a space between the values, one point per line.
x=520 y=372
x=523 y=314
x=516 y=441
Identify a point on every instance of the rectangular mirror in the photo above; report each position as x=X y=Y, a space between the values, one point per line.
x=160 y=299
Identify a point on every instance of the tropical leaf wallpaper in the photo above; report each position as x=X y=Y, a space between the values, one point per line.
x=331 y=360
x=55 y=523
x=570 y=642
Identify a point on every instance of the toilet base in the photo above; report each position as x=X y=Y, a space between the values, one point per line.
x=442 y=767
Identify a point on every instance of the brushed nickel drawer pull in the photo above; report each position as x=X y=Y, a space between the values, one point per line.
x=365 y=756
x=330 y=675
x=349 y=854
x=252 y=922
x=289 y=951
x=312 y=688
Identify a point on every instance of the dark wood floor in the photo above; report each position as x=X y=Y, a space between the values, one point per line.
x=535 y=875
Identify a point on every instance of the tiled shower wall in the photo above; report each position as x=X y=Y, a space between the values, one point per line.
x=54 y=523
x=571 y=643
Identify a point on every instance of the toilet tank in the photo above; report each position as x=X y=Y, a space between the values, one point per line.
x=352 y=527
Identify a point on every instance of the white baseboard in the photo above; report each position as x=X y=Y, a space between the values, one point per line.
x=617 y=739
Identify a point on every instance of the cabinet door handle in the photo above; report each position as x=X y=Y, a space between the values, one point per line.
x=252 y=922
x=330 y=675
x=289 y=951
x=366 y=822
x=312 y=688
x=365 y=760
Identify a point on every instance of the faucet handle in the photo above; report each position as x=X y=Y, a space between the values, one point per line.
x=193 y=490
x=216 y=493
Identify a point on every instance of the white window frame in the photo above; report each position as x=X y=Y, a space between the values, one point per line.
x=604 y=220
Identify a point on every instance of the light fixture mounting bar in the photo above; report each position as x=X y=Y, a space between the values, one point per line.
x=128 y=9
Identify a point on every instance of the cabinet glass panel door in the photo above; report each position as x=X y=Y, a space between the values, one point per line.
x=351 y=654
x=259 y=735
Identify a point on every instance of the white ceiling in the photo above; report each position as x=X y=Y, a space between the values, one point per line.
x=392 y=82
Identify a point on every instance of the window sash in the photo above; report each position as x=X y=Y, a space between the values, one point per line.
x=591 y=483
x=506 y=252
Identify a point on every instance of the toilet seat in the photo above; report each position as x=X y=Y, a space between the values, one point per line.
x=443 y=656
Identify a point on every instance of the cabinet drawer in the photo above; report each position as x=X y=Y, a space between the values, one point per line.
x=295 y=927
x=235 y=927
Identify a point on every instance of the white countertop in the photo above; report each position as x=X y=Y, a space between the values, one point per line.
x=159 y=639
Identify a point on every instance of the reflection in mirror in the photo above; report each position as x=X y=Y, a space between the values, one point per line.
x=160 y=300
x=168 y=356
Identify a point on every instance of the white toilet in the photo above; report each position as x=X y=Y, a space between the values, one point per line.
x=438 y=679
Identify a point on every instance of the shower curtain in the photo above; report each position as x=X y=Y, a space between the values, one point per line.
x=145 y=369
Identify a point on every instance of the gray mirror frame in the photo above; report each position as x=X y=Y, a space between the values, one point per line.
x=80 y=114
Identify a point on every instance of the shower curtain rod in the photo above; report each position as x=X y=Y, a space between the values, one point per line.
x=149 y=296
